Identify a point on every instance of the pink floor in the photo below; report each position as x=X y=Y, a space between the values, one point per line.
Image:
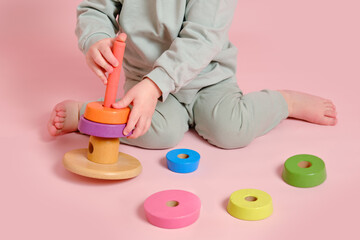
x=310 y=45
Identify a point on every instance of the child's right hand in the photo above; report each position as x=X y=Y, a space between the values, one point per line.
x=143 y=96
x=100 y=58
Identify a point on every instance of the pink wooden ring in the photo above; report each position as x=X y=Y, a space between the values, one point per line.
x=100 y=129
x=172 y=208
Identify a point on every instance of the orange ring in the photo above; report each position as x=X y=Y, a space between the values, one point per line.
x=96 y=112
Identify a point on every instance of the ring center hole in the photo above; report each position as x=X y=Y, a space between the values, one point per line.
x=251 y=198
x=172 y=203
x=91 y=147
x=304 y=164
x=183 y=156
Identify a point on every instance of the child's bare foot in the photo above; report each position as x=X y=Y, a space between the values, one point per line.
x=64 y=117
x=310 y=108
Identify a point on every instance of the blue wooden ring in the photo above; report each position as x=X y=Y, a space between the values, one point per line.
x=101 y=129
x=183 y=160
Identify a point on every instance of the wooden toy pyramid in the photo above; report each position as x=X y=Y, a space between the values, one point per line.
x=105 y=126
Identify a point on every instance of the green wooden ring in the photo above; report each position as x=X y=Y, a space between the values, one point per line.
x=304 y=170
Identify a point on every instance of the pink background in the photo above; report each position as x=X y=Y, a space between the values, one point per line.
x=309 y=45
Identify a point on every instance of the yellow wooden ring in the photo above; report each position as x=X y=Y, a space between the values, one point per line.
x=96 y=112
x=250 y=204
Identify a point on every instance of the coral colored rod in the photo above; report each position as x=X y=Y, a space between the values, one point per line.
x=114 y=77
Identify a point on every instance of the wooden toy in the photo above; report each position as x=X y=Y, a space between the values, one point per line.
x=103 y=150
x=250 y=204
x=172 y=208
x=97 y=112
x=304 y=171
x=113 y=79
x=183 y=160
x=77 y=162
x=105 y=126
x=101 y=130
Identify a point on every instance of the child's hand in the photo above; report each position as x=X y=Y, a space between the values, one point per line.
x=100 y=58
x=143 y=97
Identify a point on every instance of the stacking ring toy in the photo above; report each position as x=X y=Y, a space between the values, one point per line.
x=304 y=171
x=96 y=112
x=172 y=208
x=250 y=204
x=183 y=160
x=100 y=129
x=105 y=125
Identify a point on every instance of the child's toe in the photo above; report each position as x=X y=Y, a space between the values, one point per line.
x=331 y=121
x=59 y=119
x=330 y=113
x=61 y=114
x=59 y=126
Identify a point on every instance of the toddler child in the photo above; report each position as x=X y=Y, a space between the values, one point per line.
x=180 y=72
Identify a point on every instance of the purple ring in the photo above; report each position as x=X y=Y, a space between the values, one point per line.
x=100 y=129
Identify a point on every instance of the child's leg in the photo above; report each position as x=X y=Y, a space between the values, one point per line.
x=228 y=119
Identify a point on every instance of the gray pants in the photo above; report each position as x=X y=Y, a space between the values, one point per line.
x=220 y=113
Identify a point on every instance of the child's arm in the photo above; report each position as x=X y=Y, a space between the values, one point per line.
x=96 y=28
x=96 y=20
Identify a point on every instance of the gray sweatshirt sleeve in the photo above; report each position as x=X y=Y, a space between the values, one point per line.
x=204 y=34
x=96 y=20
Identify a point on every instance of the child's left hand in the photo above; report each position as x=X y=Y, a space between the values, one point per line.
x=143 y=96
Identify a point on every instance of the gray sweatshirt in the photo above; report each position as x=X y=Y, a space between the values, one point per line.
x=182 y=45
